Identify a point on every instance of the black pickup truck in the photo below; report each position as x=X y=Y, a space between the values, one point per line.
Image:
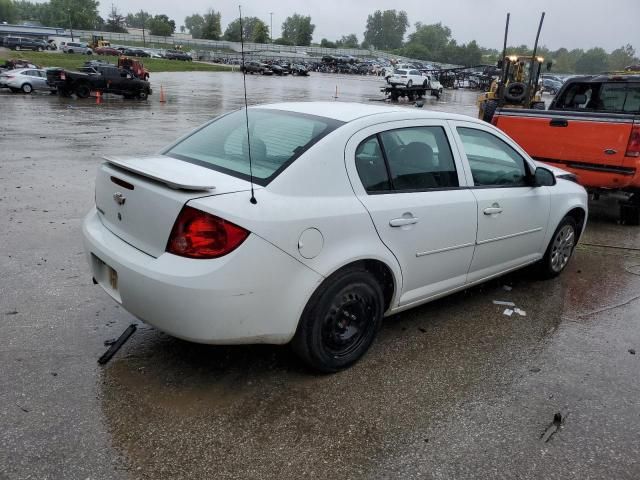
x=99 y=78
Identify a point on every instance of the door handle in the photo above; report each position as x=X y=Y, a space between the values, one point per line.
x=402 y=221
x=610 y=151
x=559 y=123
x=492 y=210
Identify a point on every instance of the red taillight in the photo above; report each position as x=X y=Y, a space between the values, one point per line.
x=198 y=234
x=633 y=147
x=63 y=76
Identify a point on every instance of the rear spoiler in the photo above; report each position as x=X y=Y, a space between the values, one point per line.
x=174 y=173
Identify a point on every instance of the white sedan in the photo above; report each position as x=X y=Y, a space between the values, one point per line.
x=359 y=212
x=409 y=78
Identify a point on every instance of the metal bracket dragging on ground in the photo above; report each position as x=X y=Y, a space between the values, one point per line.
x=106 y=356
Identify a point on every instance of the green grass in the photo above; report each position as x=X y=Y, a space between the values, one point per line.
x=74 y=61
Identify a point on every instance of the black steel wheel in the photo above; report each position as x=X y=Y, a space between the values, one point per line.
x=340 y=321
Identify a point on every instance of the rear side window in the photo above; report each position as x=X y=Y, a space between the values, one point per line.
x=277 y=139
x=406 y=159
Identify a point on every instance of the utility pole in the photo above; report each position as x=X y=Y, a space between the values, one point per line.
x=271 y=27
x=70 y=24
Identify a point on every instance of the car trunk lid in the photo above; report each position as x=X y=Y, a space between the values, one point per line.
x=139 y=198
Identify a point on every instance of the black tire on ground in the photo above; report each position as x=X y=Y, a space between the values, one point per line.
x=560 y=248
x=83 y=90
x=27 y=88
x=515 y=92
x=142 y=95
x=69 y=51
x=340 y=321
x=489 y=109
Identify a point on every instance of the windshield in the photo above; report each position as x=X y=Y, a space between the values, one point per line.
x=277 y=139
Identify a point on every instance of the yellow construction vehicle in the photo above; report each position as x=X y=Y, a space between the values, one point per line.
x=518 y=85
x=99 y=41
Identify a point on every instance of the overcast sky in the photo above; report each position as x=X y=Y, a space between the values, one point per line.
x=569 y=23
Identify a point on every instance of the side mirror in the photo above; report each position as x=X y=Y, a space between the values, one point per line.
x=543 y=177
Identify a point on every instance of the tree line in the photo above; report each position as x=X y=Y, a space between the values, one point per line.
x=384 y=30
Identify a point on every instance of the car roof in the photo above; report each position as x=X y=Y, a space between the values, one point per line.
x=607 y=77
x=20 y=70
x=350 y=111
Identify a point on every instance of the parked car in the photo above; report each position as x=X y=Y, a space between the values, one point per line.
x=256 y=67
x=98 y=78
x=591 y=129
x=135 y=52
x=299 y=69
x=551 y=86
x=25 y=80
x=359 y=212
x=408 y=78
x=110 y=51
x=23 y=43
x=279 y=69
x=177 y=55
x=434 y=85
x=76 y=47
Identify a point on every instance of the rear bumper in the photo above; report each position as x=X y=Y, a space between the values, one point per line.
x=255 y=294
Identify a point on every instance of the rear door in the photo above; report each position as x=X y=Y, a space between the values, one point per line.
x=512 y=216
x=410 y=180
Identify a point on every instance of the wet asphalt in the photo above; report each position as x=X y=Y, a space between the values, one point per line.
x=453 y=389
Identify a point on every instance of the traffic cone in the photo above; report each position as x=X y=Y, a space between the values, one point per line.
x=98 y=97
x=162 y=97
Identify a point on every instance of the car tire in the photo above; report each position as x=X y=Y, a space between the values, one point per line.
x=142 y=95
x=515 y=92
x=69 y=51
x=340 y=321
x=26 y=88
x=410 y=84
x=40 y=49
x=83 y=90
x=489 y=109
x=560 y=248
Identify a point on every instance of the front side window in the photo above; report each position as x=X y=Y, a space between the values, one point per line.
x=493 y=162
x=277 y=139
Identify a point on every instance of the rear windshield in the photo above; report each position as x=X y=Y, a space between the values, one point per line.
x=621 y=97
x=400 y=72
x=277 y=139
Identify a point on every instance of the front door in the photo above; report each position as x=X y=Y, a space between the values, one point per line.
x=512 y=214
x=414 y=188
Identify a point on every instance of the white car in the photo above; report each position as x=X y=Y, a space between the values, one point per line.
x=359 y=212
x=409 y=78
x=25 y=80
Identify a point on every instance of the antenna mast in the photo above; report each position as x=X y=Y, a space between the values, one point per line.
x=246 y=109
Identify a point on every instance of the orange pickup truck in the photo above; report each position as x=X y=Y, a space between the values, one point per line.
x=592 y=129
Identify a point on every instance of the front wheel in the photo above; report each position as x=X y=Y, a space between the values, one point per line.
x=142 y=95
x=340 y=321
x=560 y=248
x=27 y=88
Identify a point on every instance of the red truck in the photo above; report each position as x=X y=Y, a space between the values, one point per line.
x=592 y=129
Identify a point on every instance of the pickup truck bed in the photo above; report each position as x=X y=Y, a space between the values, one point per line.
x=594 y=146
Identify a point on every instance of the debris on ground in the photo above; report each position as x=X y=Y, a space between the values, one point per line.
x=106 y=356
x=520 y=312
x=632 y=351
x=558 y=420
x=508 y=312
x=506 y=304
x=25 y=410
